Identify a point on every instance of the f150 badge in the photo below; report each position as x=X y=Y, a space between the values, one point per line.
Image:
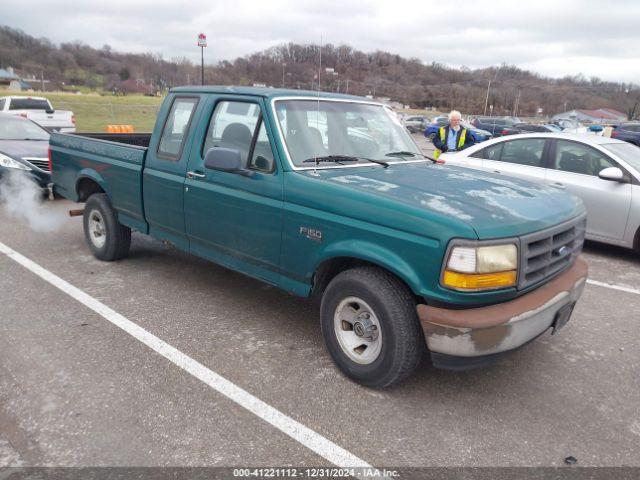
x=311 y=234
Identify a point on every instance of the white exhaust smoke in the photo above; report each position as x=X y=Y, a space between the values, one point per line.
x=22 y=198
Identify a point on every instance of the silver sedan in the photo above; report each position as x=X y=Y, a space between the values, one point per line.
x=603 y=172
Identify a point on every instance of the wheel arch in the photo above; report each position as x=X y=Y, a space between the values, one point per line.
x=88 y=183
x=330 y=267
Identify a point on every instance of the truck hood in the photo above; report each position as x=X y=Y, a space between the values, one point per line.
x=493 y=205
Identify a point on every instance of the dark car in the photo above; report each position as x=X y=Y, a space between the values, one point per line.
x=629 y=132
x=477 y=134
x=533 y=128
x=498 y=126
x=24 y=148
x=415 y=123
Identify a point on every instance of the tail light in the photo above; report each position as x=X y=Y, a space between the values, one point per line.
x=614 y=134
x=23 y=115
x=504 y=132
x=50 y=161
x=73 y=119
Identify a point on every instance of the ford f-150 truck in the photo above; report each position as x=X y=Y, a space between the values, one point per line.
x=327 y=196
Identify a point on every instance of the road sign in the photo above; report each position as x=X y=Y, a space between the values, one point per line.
x=202 y=40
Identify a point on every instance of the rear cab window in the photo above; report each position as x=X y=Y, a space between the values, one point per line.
x=29 y=104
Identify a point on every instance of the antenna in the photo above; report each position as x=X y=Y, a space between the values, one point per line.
x=318 y=96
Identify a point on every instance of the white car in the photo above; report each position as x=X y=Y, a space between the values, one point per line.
x=603 y=172
x=39 y=110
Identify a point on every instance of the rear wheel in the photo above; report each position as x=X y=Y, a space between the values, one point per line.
x=370 y=327
x=107 y=238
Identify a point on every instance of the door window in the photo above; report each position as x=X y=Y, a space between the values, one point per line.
x=578 y=158
x=262 y=156
x=232 y=125
x=523 y=152
x=490 y=153
x=176 y=127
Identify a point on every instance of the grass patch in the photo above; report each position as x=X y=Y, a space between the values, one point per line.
x=94 y=112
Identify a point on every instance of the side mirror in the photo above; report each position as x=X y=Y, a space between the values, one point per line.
x=226 y=160
x=613 y=174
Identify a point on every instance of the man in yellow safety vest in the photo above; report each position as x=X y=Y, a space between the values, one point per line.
x=453 y=137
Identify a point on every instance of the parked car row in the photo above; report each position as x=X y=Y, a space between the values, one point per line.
x=41 y=111
x=478 y=134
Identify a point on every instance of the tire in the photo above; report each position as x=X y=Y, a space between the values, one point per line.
x=107 y=239
x=370 y=296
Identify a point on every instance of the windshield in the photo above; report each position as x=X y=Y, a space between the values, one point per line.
x=627 y=152
x=327 y=129
x=19 y=129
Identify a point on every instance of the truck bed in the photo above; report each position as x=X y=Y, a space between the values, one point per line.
x=112 y=161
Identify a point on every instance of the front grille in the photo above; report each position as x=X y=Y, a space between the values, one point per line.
x=546 y=253
x=41 y=162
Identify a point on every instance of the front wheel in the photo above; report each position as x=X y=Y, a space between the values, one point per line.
x=370 y=327
x=107 y=238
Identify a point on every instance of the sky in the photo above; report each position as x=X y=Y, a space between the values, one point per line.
x=553 y=38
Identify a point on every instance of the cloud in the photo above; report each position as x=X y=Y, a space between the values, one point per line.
x=553 y=38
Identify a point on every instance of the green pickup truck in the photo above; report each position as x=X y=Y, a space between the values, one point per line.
x=327 y=196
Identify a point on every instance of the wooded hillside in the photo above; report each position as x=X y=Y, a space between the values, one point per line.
x=382 y=74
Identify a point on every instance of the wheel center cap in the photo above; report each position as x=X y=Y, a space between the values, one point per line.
x=365 y=328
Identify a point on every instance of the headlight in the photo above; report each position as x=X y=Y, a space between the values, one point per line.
x=470 y=268
x=9 y=162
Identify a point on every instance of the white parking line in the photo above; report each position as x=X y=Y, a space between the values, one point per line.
x=304 y=435
x=614 y=287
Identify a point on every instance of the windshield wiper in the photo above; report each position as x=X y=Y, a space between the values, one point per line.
x=332 y=158
x=410 y=154
x=344 y=158
x=401 y=153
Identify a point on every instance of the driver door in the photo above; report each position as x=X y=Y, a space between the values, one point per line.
x=234 y=219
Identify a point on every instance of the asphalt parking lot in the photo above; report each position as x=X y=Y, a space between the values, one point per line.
x=77 y=390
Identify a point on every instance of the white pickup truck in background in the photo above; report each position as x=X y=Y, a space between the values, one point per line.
x=39 y=110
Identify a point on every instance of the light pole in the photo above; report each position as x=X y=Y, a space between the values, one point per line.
x=202 y=42
x=283 y=66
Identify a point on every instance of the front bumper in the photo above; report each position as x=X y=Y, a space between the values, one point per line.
x=475 y=336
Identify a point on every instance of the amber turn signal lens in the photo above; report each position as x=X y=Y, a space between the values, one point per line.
x=479 y=281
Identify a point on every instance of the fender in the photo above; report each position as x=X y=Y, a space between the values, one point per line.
x=372 y=253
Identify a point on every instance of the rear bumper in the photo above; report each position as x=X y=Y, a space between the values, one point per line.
x=461 y=339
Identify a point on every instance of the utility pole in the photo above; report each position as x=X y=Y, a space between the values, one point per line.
x=486 y=100
x=202 y=42
x=347 y=86
x=283 y=65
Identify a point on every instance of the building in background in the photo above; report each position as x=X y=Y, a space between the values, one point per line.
x=9 y=79
x=600 y=115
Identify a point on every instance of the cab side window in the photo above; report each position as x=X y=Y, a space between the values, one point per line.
x=239 y=125
x=176 y=127
x=577 y=158
x=2 y=104
x=262 y=157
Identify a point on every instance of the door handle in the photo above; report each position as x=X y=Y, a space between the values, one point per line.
x=558 y=185
x=194 y=175
x=497 y=171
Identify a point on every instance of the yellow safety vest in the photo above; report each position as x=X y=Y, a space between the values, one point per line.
x=463 y=137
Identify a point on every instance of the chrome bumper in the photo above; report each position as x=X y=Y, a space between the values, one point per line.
x=498 y=328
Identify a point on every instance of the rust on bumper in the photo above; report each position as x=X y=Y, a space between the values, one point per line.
x=498 y=328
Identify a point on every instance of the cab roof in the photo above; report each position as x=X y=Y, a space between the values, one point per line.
x=267 y=92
